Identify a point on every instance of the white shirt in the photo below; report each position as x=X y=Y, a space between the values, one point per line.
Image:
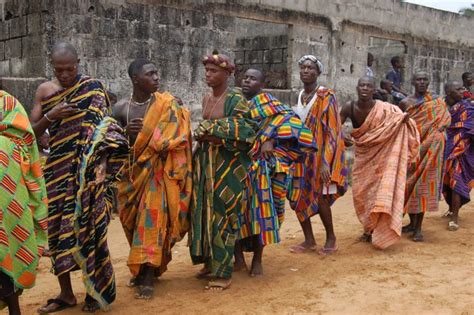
x=302 y=110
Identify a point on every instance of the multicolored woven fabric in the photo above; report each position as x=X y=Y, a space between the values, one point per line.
x=154 y=194
x=459 y=154
x=424 y=177
x=79 y=209
x=325 y=124
x=219 y=184
x=267 y=181
x=23 y=203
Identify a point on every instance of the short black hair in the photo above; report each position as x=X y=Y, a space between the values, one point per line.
x=395 y=59
x=136 y=66
x=384 y=82
x=64 y=47
x=260 y=70
x=465 y=75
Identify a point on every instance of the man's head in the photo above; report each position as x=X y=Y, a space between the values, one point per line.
x=310 y=69
x=454 y=91
x=467 y=79
x=65 y=63
x=365 y=88
x=386 y=85
x=370 y=60
x=218 y=69
x=144 y=75
x=420 y=81
x=397 y=62
x=252 y=82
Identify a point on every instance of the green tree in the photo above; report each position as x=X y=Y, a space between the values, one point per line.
x=468 y=11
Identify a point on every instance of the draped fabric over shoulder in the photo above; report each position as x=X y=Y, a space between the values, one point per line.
x=219 y=184
x=79 y=208
x=23 y=202
x=384 y=146
x=424 y=177
x=325 y=124
x=155 y=190
x=459 y=155
x=266 y=191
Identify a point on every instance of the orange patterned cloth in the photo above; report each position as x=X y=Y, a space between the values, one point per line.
x=23 y=201
x=425 y=177
x=325 y=124
x=155 y=192
x=384 y=145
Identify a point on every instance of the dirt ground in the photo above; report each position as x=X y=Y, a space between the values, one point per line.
x=434 y=277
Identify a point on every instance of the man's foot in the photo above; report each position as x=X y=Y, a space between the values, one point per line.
x=418 y=236
x=145 y=292
x=240 y=266
x=408 y=229
x=365 y=237
x=218 y=284
x=303 y=248
x=204 y=273
x=257 y=269
x=91 y=307
x=56 y=305
x=135 y=282
x=324 y=251
x=453 y=226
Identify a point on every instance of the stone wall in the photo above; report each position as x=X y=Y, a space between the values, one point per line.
x=175 y=34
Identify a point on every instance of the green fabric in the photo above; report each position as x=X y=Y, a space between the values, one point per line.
x=219 y=182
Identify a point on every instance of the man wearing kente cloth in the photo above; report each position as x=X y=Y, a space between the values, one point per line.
x=87 y=151
x=282 y=141
x=220 y=164
x=386 y=141
x=325 y=171
x=459 y=155
x=23 y=204
x=155 y=189
x=424 y=177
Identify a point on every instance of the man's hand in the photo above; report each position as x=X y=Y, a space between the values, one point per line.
x=211 y=139
x=100 y=171
x=62 y=111
x=266 y=151
x=406 y=118
x=325 y=175
x=134 y=127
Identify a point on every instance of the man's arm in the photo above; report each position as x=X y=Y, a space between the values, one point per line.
x=39 y=123
x=344 y=114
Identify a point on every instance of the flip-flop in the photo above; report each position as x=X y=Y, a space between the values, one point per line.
x=299 y=249
x=324 y=251
x=145 y=292
x=216 y=284
x=453 y=226
x=61 y=305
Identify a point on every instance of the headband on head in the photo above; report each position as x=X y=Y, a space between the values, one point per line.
x=219 y=60
x=313 y=59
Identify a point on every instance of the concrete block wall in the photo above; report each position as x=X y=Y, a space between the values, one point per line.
x=176 y=34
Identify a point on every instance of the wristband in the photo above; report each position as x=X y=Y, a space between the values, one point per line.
x=47 y=118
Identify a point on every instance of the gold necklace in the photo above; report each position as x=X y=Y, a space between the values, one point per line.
x=308 y=97
x=131 y=157
x=213 y=107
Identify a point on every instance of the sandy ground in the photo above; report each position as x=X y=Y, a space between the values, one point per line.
x=434 y=277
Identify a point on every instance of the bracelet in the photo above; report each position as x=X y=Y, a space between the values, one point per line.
x=47 y=118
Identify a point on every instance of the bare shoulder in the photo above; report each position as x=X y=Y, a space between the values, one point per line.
x=345 y=107
x=406 y=102
x=119 y=108
x=47 y=88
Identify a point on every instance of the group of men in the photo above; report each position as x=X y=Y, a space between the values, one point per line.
x=251 y=153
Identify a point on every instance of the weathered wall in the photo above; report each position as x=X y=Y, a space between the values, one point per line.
x=175 y=34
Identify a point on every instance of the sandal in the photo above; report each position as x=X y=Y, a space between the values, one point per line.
x=299 y=249
x=145 y=292
x=61 y=305
x=453 y=226
x=218 y=285
x=324 y=251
